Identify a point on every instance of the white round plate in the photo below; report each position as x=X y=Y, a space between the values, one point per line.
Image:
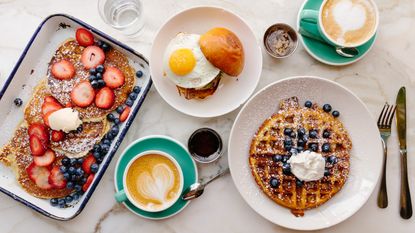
x=232 y=91
x=365 y=161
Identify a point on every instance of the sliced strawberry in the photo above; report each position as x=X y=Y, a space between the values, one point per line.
x=37 y=146
x=92 y=56
x=88 y=161
x=83 y=94
x=39 y=175
x=56 y=178
x=113 y=77
x=105 y=98
x=63 y=70
x=50 y=99
x=46 y=159
x=124 y=115
x=88 y=182
x=68 y=105
x=57 y=136
x=40 y=131
x=50 y=107
x=84 y=37
x=46 y=118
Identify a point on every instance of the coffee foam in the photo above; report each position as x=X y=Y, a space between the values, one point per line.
x=348 y=21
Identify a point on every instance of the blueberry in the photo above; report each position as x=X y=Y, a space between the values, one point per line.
x=288 y=131
x=65 y=162
x=335 y=113
x=78 y=187
x=299 y=183
x=327 y=107
x=63 y=169
x=132 y=96
x=94 y=168
x=18 y=102
x=71 y=170
x=129 y=102
x=305 y=137
x=300 y=148
x=106 y=47
x=95 y=84
x=92 y=78
x=274 y=182
x=69 y=185
x=110 y=135
x=96 y=155
x=313 y=133
x=68 y=199
x=117 y=121
x=301 y=132
x=73 y=162
x=325 y=147
x=80 y=161
x=313 y=146
x=105 y=148
x=75 y=196
x=288 y=144
x=83 y=180
x=332 y=159
x=120 y=109
x=300 y=143
x=285 y=158
x=137 y=89
x=66 y=176
x=61 y=202
x=308 y=104
x=326 y=172
x=79 y=171
x=115 y=129
x=326 y=134
x=294 y=151
x=286 y=168
x=100 y=68
x=92 y=71
x=139 y=74
x=101 y=83
x=99 y=160
x=99 y=76
x=97 y=148
x=111 y=117
x=277 y=158
x=79 y=129
x=106 y=141
x=54 y=201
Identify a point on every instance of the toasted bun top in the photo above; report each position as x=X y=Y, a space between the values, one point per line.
x=224 y=50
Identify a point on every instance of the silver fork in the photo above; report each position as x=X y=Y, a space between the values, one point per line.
x=384 y=125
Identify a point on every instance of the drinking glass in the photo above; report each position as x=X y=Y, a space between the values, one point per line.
x=123 y=15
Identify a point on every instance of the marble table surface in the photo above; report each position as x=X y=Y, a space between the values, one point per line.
x=375 y=79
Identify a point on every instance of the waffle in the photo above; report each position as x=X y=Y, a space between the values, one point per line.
x=61 y=89
x=269 y=142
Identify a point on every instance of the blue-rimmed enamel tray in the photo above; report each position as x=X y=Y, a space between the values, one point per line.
x=29 y=70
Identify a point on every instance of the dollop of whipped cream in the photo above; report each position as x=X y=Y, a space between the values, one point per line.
x=307 y=165
x=65 y=119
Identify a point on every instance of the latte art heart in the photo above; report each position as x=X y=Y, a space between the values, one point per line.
x=157 y=185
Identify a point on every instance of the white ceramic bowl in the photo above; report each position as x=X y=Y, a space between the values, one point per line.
x=232 y=91
x=365 y=161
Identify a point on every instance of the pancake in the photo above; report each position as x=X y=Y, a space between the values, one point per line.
x=20 y=158
x=61 y=89
x=269 y=142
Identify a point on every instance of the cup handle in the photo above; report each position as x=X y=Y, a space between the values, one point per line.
x=310 y=16
x=120 y=196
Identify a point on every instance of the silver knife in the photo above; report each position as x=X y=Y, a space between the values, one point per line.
x=406 y=205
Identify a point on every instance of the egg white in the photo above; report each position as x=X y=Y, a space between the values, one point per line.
x=203 y=72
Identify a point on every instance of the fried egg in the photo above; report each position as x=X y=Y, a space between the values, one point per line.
x=185 y=64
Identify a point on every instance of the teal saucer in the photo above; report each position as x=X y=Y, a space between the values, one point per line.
x=169 y=146
x=324 y=52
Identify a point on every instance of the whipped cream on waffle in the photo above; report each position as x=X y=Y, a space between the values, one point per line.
x=65 y=119
x=307 y=165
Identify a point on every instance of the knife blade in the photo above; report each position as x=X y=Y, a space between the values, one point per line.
x=405 y=200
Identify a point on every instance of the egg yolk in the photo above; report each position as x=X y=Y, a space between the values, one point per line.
x=182 y=61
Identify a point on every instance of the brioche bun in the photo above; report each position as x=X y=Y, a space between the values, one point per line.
x=224 y=50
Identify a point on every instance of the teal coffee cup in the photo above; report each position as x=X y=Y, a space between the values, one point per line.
x=343 y=23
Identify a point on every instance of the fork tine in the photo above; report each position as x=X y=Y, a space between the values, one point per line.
x=381 y=114
x=386 y=116
x=393 y=114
